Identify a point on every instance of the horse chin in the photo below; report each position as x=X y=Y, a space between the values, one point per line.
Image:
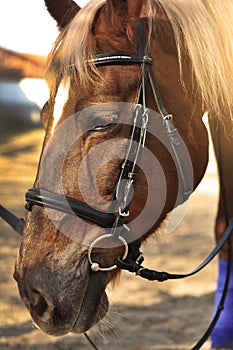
x=90 y=316
x=95 y=304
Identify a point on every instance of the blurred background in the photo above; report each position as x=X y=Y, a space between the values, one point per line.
x=27 y=33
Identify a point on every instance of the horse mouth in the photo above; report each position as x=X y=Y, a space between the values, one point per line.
x=82 y=314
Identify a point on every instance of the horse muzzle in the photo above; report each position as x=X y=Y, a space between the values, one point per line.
x=60 y=306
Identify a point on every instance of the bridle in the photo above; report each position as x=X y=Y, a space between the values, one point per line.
x=118 y=225
x=132 y=258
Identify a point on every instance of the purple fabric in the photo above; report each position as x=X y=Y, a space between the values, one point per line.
x=222 y=335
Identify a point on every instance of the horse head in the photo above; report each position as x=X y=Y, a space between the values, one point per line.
x=89 y=121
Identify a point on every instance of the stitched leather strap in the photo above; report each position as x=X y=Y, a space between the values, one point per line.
x=46 y=199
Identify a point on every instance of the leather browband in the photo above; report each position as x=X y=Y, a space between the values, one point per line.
x=117 y=58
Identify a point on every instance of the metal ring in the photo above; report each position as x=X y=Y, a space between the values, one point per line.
x=94 y=265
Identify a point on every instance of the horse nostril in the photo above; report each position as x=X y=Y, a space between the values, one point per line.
x=41 y=305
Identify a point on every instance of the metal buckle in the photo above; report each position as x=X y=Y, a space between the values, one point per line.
x=147 y=59
x=96 y=266
x=122 y=213
x=140 y=259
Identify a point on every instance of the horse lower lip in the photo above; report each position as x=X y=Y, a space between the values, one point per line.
x=52 y=330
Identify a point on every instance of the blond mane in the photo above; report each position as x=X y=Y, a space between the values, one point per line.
x=203 y=27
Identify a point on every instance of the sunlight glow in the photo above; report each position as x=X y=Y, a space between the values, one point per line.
x=26 y=26
x=61 y=99
x=36 y=90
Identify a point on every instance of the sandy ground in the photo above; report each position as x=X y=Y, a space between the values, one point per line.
x=144 y=315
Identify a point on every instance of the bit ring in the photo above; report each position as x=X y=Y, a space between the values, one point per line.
x=96 y=266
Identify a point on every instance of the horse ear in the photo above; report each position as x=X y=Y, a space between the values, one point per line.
x=63 y=11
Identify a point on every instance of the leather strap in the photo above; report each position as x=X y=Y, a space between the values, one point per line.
x=117 y=58
x=46 y=199
x=153 y=275
x=16 y=223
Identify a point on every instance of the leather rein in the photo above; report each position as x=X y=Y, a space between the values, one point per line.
x=132 y=258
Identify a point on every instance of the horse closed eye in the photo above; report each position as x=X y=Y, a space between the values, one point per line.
x=104 y=122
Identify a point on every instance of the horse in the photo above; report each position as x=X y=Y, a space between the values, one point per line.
x=125 y=144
